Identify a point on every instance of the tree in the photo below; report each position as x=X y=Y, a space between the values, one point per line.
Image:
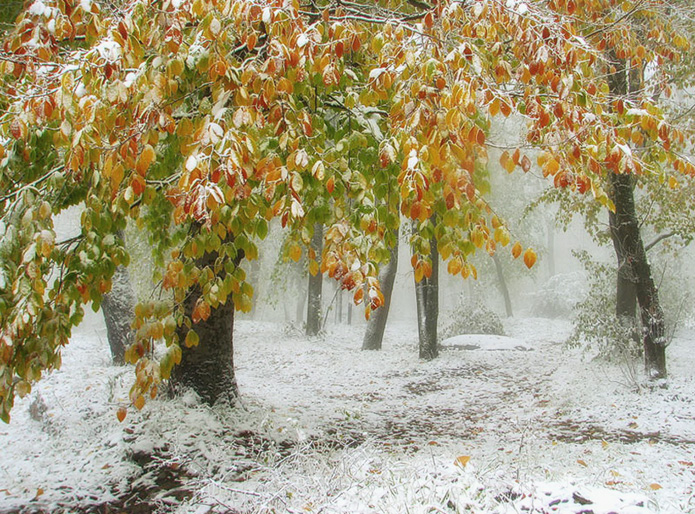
x=427 y=300
x=374 y=335
x=118 y=306
x=314 y=299
x=8 y=13
x=204 y=120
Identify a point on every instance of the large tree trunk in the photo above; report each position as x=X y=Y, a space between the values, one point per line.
x=503 y=285
x=374 y=335
x=208 y=368
x=313 y=314
x=117 y=307
x=427 y=298
x=635 y=266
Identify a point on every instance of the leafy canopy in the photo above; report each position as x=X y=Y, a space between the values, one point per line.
x=204 y=120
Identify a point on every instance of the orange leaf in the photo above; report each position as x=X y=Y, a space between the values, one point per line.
x=121 y=413
x=529 y=258
x=582 y=463
x=251 y=41
x=454 y=267
x=145 y=159
x=516 y=250
x=655 y=487
x=429 y=20
x=505 y=108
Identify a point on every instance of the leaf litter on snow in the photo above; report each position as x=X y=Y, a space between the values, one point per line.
x=326 y=427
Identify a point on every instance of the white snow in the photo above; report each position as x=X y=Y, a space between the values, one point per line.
x=538 y=431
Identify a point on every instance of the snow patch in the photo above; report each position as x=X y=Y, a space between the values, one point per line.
x=485 y=342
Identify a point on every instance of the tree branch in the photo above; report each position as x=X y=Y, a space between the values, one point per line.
x=658 y=240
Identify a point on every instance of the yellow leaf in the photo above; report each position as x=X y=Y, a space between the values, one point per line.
x=419 y=273
x=139 y=402
x=295 y=252
x=462 y=460
x=507 y=162
x=516 y=250
x=192 y=339
x=313 y=268
x=502 y=236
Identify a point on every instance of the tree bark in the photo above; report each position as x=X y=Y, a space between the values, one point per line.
x=118 y=307
x=374 y=335
x=503 y=285
x=632 y=260
x=633 y=265
x=427 y=299
x=313 y=315
x=208 y=368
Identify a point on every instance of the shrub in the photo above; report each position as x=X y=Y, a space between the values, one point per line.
x=470 y=317
x=596 y=326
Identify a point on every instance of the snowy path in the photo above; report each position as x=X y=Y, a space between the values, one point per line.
x=329 y=428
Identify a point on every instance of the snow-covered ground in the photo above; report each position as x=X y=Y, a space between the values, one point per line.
x=518 y=425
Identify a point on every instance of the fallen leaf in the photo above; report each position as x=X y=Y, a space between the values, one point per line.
x=462 y=460
x=582 y=463
x=654 y=487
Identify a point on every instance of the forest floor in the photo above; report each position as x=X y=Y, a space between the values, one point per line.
x=516 y=425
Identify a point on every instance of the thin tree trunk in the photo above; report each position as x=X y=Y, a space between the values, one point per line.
x=301 y=295
x=635 y=264
x=550 y=257
x=208 y=368
x=503 y=285
x=313 y=315
x=427 y=298
x=374 y=335
x=339 y=309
